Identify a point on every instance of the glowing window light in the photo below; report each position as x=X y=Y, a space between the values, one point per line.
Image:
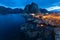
x=33 y=14
x=41 y=25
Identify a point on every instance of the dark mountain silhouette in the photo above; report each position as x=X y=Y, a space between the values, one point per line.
x=4 y=10
x=17 y=10
x=33 y=8
x=29 y=8
x=43 y=10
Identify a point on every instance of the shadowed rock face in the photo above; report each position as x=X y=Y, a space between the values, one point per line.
x=31 y=8
x=9 y=26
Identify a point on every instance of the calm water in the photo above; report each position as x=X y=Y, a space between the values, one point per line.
x=9 y=24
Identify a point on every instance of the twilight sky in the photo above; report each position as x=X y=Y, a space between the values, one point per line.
x=48 y=4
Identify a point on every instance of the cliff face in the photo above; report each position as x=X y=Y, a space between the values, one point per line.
x=31 y=8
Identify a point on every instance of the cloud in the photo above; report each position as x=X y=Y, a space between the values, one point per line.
x=53 y=8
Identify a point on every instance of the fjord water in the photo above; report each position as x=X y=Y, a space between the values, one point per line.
x=9 y=24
